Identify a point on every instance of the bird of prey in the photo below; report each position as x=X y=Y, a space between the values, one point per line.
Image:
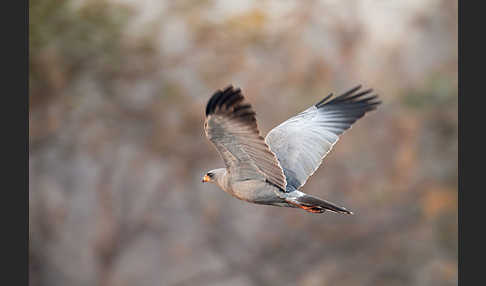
x=272 y=171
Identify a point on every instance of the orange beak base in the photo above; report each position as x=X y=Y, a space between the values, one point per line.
x=205 y=179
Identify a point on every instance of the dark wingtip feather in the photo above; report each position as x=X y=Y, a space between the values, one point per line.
x=323 y=100
x=220 y=98
x=351 y=98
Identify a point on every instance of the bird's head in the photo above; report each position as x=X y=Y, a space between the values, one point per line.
x=214 y=176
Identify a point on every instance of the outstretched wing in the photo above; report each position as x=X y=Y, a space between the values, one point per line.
x=231 y=126
x=302 y=141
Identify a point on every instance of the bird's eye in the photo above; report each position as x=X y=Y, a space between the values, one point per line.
x=210 y=175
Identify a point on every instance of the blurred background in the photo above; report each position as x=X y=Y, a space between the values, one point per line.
x=117 y=148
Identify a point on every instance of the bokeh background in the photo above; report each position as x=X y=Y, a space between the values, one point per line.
x=117 y=92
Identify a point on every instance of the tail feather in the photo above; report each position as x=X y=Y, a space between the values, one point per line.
x=316 y=205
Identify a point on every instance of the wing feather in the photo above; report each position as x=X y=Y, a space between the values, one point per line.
x=231 y=126
x=302 y=141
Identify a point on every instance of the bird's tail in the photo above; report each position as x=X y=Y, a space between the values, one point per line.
x=315 y=205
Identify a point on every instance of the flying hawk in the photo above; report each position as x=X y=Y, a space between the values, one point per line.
x=272 y=171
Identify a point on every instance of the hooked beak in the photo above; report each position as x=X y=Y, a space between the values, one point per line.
x=205 y=179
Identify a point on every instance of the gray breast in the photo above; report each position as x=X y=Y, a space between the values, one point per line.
x=256 y=191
